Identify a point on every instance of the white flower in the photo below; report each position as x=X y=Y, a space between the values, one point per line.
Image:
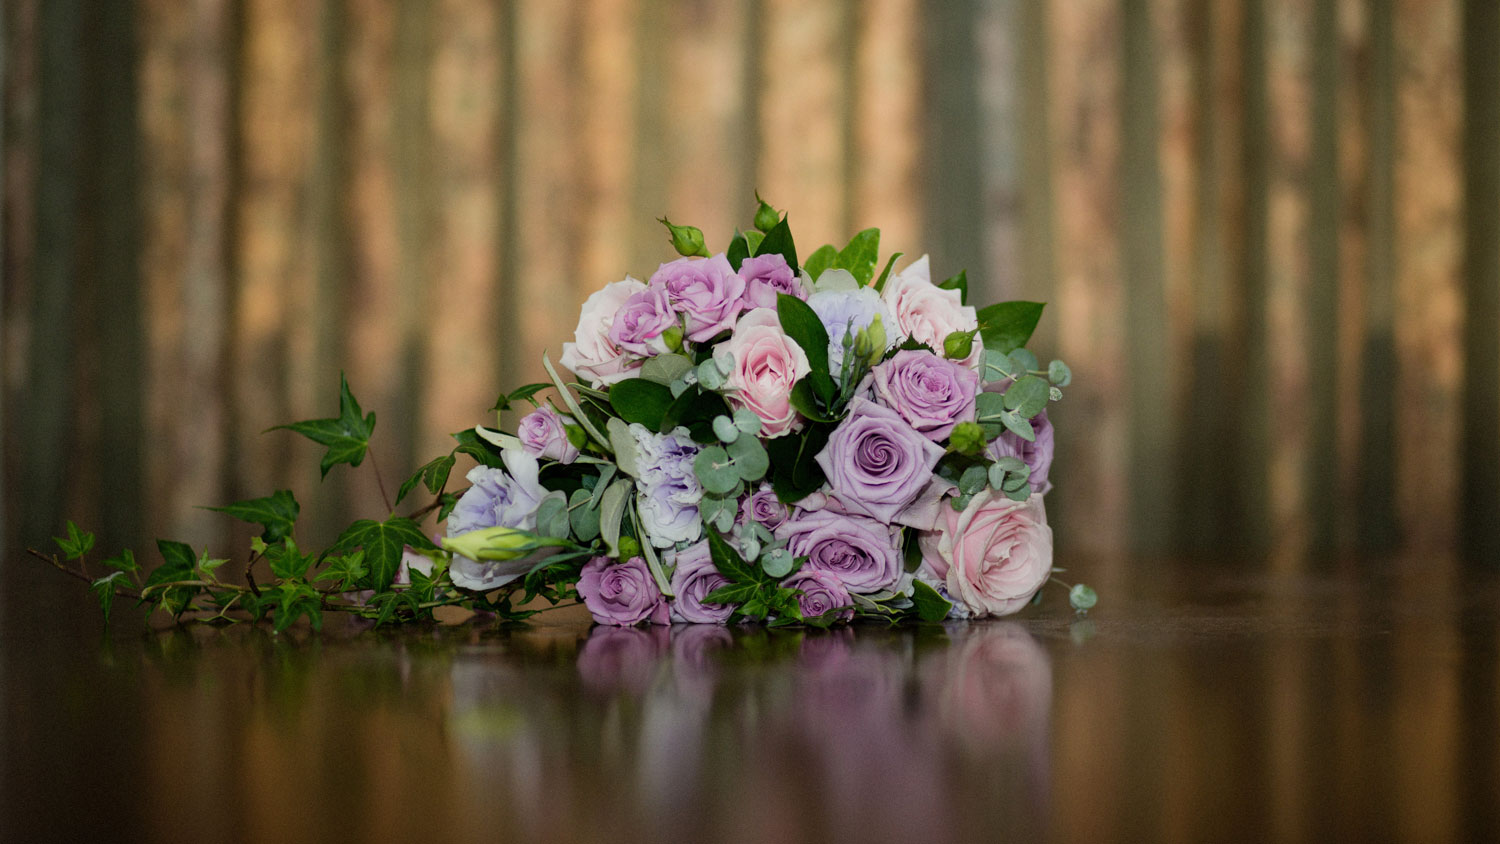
x=592 y=354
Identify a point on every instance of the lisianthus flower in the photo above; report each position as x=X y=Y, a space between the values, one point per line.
x=506 y=497
x=668 y=492
x=849 y=312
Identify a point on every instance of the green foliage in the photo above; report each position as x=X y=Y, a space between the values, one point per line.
x=286 y=561
x=1008 y=325
x=104 y=590
x=794 y=473
x=1027 y=397
x=347 y=436
x=960 y=283
x=383 y=543
x=930 y=605
x=820 y=260
x=124 y=561
x=886 y=273
x=859 y=256
x=778 y=241
x=433 y=474
x=481 y=450
x=346 y=571
x=1082 y=598
x=76 y=543
x=642 y=401
x=277 y=513
x=526 y=393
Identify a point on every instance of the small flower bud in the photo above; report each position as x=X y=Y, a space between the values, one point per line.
x=766 y=217
x=496 y=543
x=687 y=240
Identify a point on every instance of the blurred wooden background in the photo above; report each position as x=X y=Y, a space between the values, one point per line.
x=1269 y=232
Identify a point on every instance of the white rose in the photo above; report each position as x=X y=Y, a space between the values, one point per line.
x=592 y=354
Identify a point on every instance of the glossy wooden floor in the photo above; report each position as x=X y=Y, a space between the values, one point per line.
x=1194 y=705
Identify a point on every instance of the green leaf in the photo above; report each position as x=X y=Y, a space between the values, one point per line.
x=1059 y=373
x=960 y=283
x=750 y=459
x=552 y=518
x=77 y=542
x=795 y=474
x=277 y=513
x=383 y=544
x=728 y=561
x=124 y=561
x=642 y=401
x=347 y=570
x=820 y=260
x=778 y=241
x=1082 y=597
x=434 y=475
x=484 y=452
x=104 y=590
x=286 y=560
x=930 y=605
x=860 y=255
x=583 y=514
x=988 y=409
x=347 y=436
x=178 y=561
x=519 y=394
x=1027 y=397
x=1008 y=325
x=778 y=563
x=1020 y=426
x=664 y=369
x=886 y=273
x=738 y=251
x=612 y=513
x=725 y=429
x=734 y=593
x=715 y=470
x=801 y=323
x=972 y=480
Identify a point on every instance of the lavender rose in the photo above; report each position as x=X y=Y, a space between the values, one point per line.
x=593 y=355
x=695 y=577
x=931 y=393
x=821 y=592
x=1036 y=455
x=863 y=554
x=543 y=433
x=993 y=556
x=638 y=326
x=765 y=276
x=876 y=463
x=704 y=290
x=764 y=507
x=621 y=593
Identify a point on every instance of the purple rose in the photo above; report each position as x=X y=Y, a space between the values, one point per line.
x=695 y=577
x=765 y=276
x=876 y=463
x=931 y=393
x=704 y=290
x=1036 y=455
x=865 y=555
x=821 y=592
x=543 y=433
x=621 y=593
x=614 y=659
x=639 y=323
x=764 y=507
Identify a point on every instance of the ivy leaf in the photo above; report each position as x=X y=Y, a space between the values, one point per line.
x=383 y=544
x=779 y=241
x=77 y=543
x=484 y=452
x=434 y=474
x=347 y=436
x=639 y=400
x=104 y=590
x=178 y=561
x=286 y=561
x=206 y=565
x=347 y=570
x=1007 y=326
x=124 y=561
x=930 y=605
x=860 y=255
x=519 y=394
x=277 y=513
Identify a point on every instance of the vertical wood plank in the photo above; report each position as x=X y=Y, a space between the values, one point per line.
x=1086 y=122
x=802 y=131
x=611 y=91
x=18 y=207
x=1038 y=265
x=1251 y=399
x=1147 y=385
x=886 y=183
x=461 y=335
x=45 y=428
x=1376 y=521
x=1480 y=444
x=1288 y=138
x=1000 y=132
x=272 y=271
x=1428 y=292
x=1320 y=304
x=952 y=147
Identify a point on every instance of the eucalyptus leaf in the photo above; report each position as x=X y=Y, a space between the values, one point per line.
x=552 y=519
x=777 y=563
x=1021 y=427
x=715 y=471
x=725 y=429
x=747 y=421
x=1027 y=396
x=750 y=458
x=1059 y=373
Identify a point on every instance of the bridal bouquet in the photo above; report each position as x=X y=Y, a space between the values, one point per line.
x=749 y=435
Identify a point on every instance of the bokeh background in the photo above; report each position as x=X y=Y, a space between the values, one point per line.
x=1268 y=232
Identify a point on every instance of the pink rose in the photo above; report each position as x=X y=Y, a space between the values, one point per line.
x=928 y=313
x=994 y=555
x=766 y=365
x=594 y=355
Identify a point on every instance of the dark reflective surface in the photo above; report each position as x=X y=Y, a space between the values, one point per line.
x=1202 y=706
